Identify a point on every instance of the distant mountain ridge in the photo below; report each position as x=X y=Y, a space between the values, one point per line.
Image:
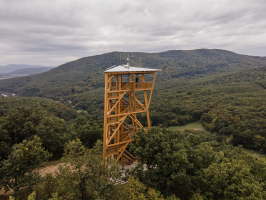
x=31 y=71
x=12 y=67
x=87 y=74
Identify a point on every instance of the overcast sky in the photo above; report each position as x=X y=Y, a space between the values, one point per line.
x=52 y=32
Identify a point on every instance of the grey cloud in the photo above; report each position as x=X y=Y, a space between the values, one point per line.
x=55 y=31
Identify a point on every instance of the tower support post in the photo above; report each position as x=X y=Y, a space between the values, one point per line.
x=120 y=113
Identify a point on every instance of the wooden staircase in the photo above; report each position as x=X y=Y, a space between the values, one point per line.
x=129 y=158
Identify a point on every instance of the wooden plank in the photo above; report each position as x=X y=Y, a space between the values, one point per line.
x=146 y=104
x=122 y=151
x=128 y=72
x=136 y=100
x=151 y=91
x=121 y=122
x=137 y=121
x=121 y=96
x=139 y=77
x=105 y=116
x=119 y=143
x=111 y=78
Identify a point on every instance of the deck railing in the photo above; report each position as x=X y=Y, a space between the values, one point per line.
x=147 y=85
x=130 y=86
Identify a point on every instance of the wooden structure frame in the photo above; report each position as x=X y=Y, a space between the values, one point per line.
x=120 y=102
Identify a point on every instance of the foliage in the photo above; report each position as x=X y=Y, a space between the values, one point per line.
x=26 y=122
x=5 y=148
x=88 y=129
x=186 y=165
x=16 y=171
x=57 y=109
x=137 y=190
x=84 y=175
x=229 y=180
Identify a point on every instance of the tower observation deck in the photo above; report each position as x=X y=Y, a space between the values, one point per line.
x=122 y=84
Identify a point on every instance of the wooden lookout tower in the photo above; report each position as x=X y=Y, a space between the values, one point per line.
x=122 y=84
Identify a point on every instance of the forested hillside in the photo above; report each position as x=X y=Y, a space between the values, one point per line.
x=86 y=74
x=54 y=108
x=31 y=71
x=13 y=67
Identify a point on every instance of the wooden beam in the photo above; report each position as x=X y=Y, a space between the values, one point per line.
x=119 y=143
x=111 y=78
x=121 y=122
x=139 y=77
x=105 y=116
x=123 y=114
x=122 y=151
x=136 y=100
x=137 y=121
x=146 y=104
x=121 y=96
x=128 y=72
x=151 y=91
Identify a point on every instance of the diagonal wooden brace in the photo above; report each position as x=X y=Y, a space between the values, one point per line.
x=136 y=100
x=121 y=122
x=139 y=77
x=137 y=121
x=110 y=79
x=121 y=153
x=151 y=92
x=108 y=113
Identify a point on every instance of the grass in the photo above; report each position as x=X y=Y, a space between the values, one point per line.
x=254 y=153
x=79 y=111
x=198 y=126
x=194 y=126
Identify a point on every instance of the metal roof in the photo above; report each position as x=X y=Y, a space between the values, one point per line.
x=128 y=68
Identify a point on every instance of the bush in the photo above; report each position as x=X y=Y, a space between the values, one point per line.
x=16 y=171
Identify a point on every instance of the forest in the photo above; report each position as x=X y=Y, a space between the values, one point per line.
x=224 y=90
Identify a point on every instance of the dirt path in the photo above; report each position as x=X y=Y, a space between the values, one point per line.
x=51 y=169
x=42 y=171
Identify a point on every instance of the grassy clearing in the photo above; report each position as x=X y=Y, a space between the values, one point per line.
x=254 y=153
x=79 y=111
x=197 y=126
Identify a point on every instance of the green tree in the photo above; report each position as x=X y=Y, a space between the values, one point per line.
x=88 y=129
x=231 y=180
x=5 y=148
x=84 y=175
x=166 y=160
x=134 y=189
x=25 y=122
x=16 y=171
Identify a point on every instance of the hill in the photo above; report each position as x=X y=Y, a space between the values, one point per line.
x=56 y=109
x=31 y=71
x=12 y=67
x=86 y=74
x=24 y=72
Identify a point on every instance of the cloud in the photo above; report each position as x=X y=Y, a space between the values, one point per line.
x=52 y=32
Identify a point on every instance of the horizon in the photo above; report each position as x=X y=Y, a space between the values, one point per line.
x=1 y=66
